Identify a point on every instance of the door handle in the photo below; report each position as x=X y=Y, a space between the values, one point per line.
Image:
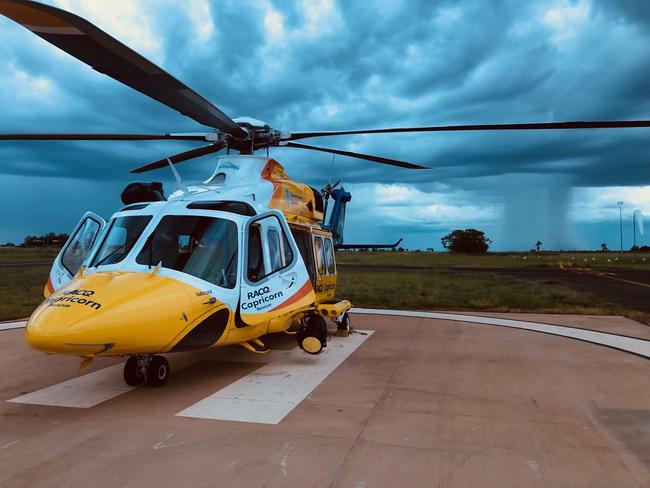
x=288 y=278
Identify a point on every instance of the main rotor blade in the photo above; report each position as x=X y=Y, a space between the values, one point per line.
x=180 y=157
x=367 y=157
x=603 y=124
x=104 y=137
x=88 y=43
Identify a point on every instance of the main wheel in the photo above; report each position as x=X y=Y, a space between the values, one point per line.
x=157 y=371
x=313 y=337
x=344 y=323
x=132 y=375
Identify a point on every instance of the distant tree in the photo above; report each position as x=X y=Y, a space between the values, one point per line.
x=538 y=246
x=468 y=240
x=49 y=239
x=603 y=247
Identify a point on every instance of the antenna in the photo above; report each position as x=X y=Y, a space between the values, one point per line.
x=177 y=177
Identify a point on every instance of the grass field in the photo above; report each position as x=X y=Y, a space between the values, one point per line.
x=506 y=260
x=21 y=290
x=17 y=254
x=368 y=285
x=448 y=290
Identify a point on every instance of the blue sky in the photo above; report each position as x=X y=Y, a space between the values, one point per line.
x=311 y=65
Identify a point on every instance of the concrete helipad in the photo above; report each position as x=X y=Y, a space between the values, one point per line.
x=424 y=400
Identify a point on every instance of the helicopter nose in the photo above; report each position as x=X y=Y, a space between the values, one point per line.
x=42 y=334
x=120 y=312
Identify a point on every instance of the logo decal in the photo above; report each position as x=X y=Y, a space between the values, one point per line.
x=262 y=298
x=73 y=296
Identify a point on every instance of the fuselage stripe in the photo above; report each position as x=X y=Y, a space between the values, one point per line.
x=301 y=293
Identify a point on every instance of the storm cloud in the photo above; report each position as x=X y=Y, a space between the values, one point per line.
x=325 y=65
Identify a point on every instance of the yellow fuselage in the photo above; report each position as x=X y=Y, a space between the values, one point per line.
x=124 y=313
x=135 y=309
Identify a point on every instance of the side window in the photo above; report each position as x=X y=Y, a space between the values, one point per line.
x=268 y=249
x=305 y=247
x=320 y=256
x=329 y=257
x=255 y=255
x=287 y=253
x=80 y=244
x=275 y=254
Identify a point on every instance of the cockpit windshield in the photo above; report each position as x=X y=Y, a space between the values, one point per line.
x=123 y=233
x=204 y=247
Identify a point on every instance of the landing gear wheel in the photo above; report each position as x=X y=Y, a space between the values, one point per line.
x=157 y=371
x=312 y=338
x=343 y=326
x=132 y=374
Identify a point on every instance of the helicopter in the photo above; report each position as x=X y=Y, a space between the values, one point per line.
x=245 y=253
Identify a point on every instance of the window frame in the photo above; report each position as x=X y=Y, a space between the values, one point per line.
x=304 y=235
x=264 y=243
x=74 y=236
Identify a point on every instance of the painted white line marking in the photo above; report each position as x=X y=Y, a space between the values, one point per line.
x=83 y=392
x=269 y=394
x=629 y=344
x=534 y=467
x=13 y=325
x=93 y=388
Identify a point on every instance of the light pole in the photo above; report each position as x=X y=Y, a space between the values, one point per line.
x=620 y=219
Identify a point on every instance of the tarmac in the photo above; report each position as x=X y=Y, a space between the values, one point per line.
x=418 y=399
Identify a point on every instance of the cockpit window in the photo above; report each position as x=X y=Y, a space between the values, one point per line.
x=80 y=245
x=204 y=247
x=122 y=234
x=216 y=179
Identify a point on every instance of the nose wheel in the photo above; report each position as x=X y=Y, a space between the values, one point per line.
x=152 y=369
x=133 y=374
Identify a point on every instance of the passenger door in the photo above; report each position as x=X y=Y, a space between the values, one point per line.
x=275 y=280
x=75 y=251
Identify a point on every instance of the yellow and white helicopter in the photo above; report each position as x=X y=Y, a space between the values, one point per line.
x=245 y=253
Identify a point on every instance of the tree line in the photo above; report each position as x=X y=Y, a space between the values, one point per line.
x=49 y=239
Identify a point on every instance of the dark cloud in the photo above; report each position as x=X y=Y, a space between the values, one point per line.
x=358 y=64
